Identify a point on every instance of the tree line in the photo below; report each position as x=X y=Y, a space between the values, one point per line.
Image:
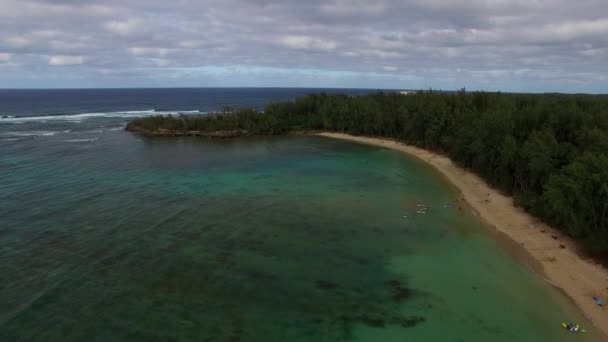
x=549 y=151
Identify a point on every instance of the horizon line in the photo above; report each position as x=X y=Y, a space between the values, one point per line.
x=290 y=87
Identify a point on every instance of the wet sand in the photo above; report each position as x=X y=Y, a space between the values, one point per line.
x=557 y=258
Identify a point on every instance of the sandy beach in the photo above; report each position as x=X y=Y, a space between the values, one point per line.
x=559 y=263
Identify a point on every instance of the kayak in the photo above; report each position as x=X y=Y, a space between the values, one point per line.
x=565 y=325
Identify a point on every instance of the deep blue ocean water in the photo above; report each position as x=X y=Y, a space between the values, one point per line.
x=81 y=101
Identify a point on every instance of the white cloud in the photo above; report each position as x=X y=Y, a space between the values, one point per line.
x=390 y=68
x=65 y=45
x=65 y=60
x=148 y=52
x=162 y=62
x=17 y=42
x=308 y=43
x=124 y=28
x=190 y=44
x=5 y=57
x=413 y=37
x=353 y=7
x=570 y=31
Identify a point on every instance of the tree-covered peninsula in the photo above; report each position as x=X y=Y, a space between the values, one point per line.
x=550 y=151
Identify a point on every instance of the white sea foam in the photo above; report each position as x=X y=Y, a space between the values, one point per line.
x=81 y=140
x=19 y=135
x=72 y=118
x=30 y=134
x=76 y=118
x=188 y=112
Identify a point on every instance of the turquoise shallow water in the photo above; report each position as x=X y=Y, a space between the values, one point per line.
x=125 y=238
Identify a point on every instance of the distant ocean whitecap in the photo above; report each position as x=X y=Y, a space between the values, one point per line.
x=81 y=140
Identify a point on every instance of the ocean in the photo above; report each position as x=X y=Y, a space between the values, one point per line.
x=110 y=236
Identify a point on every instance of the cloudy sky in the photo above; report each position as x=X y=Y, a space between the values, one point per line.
x=509 y=45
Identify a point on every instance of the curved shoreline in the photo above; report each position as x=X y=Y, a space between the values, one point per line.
x=579 y=278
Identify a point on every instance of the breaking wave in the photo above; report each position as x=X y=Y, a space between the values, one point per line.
x=84 y=116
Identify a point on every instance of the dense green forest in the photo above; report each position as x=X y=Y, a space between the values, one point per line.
x=549 y=151
x=249 y=120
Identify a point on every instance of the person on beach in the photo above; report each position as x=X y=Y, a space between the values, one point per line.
x=598 y=301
